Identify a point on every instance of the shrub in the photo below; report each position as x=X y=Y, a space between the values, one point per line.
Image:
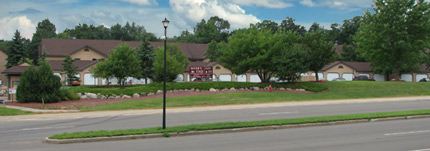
x=67 y=94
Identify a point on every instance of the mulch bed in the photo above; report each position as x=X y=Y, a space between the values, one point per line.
x=77 y=104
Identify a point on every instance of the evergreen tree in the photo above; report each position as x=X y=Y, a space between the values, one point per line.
x=16 y=50
x=28 y=90
x=146 y=55
x=49 y=84
x=70 y=70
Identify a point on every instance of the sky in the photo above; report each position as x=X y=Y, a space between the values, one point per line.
x=23 y=15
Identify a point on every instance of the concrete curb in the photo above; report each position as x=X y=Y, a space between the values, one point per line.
x=146 y=136
x=41 y=111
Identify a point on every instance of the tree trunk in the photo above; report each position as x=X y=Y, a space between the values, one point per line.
x=316 y=75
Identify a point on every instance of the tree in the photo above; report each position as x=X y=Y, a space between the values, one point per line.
x=16 y=50
x=44 y=29
x=70 y=70
x=146 y=56
x=28 y=90
x=176 y=63
x=102 y=70
x=350 y=54
x=268 y=25
x=320 y=51
x=123 y=62
x=394 y=37
x=289 y=25
x=348 y=30
x=291 y=62
x=49 y=84
x=213 y=52
x=315 y=27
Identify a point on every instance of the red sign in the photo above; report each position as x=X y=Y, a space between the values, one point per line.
x=200 y=72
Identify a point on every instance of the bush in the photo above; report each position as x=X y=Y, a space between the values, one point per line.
x=67 y=94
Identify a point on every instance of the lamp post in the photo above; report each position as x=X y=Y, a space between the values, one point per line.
x=165 y=24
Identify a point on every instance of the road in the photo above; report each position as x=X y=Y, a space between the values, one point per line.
x=28 y=134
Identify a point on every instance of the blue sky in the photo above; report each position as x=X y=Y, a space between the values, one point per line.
x=23 y=15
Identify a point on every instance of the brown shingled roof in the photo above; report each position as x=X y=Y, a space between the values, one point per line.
x=56 y=66
x=63 y=47
x=357 y=66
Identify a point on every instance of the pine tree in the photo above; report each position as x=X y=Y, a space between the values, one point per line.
x=49 y=84
x=70 y=70
x=28 y=90
x=16 y=50
x=147 y=57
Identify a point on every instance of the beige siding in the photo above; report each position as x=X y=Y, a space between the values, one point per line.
x=54 y=58
x=87 y=55
x=3 y=61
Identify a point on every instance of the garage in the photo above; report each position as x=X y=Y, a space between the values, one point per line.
x=241 y=78
x=348 y=76
x=331 y=76
x=420 y=76
x=379 y=77
x=254 y=78
x=89 y=79
x=406 y=77
x=225 y=77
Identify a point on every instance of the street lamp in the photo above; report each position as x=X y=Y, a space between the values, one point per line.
x=165 y=24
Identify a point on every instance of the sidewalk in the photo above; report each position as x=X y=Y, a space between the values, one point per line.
x=59 y=114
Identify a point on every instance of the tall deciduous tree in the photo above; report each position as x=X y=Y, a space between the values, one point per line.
x=146 y=56
x=213 y=52
x=16 y=50
x=176 y=60
x=291 y=62
x=289 y=25
x=320 y=51
x=44 y=29
x=395 y=35
x=70 y=70
x=269 y=25
x=123 y=62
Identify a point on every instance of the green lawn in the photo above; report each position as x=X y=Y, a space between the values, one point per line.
x=230 y=125
x=337 y=90
x=8 y=112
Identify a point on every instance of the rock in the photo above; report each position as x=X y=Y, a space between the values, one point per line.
x=79 y=94
x=149 y=94
x=117 y=97
x=99 y=96
x=186 y=90
x=197 y=90
x=135 y=95
x=84 y=97
x=159 y=92
x=111 y=97
x=180 y=90
x=175 y=90
x=302 y=90
x=241 y=89
x=232 y=89
x=143 y=94
x=170 y=91
x=225 y=89
x=91 y=96
x=192 y=89
x=254 y=88
x=212 y=90
x=125 y=97
x=282 y=89
x=289 y=89
x=103 y=97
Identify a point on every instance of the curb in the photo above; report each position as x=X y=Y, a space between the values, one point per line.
x=246 y=129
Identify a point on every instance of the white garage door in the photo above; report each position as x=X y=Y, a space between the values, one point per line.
x=58 y=74
x=348 y=76
x=420 y=76
x=254 y=78
x=179 y=78
x=379 y=77
x=241 y=78
x=90 y=80
x=225 y=77
x=406 y=77
x=331 y=76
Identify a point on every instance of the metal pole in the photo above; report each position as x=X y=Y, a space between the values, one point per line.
x=164 y=76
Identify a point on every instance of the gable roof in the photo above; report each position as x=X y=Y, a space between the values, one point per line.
x=357 y=66
x=63 y=47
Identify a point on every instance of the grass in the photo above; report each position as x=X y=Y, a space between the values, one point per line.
x=230 y=125
x=154 y=87
x=337 y=90
x=8 y=112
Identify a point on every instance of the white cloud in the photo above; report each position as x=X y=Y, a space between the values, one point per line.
x=308 y=3
x=21 y=23
x=196 y=10
x=264 y=3
x=141 y=2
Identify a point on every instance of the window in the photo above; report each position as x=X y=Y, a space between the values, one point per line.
x=217 y=67
x=340 y=67
x=86 y=50
x=77 y=58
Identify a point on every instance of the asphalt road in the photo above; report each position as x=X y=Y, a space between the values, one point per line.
x=28 y=135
